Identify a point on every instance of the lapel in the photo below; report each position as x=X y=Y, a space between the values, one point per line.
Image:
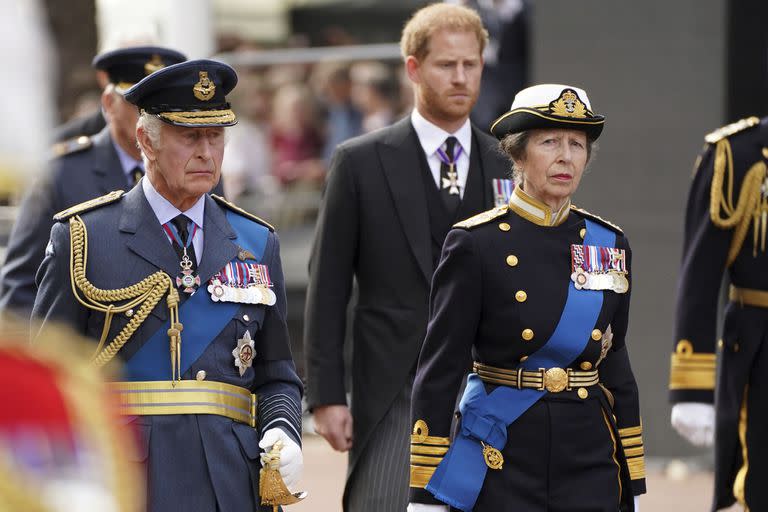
x=218 y=247
x=148 y=240
x=107 y=171
x=474 y=200
x=146 y=236
x=399 y=153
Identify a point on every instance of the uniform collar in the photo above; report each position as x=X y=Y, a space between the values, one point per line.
x=432 y=137
x=127 y=162
x=165 y=211
x=535 y=211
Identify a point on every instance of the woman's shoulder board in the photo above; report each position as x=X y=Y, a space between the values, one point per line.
x=591 y=216
x=483 y=218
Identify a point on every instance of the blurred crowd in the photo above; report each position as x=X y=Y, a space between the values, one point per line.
x=291 y=117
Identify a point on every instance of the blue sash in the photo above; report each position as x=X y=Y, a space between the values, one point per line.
x=202 y=318
x=459 y=478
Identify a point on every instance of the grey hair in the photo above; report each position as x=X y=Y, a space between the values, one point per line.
x=514 y=146
x=151 y=125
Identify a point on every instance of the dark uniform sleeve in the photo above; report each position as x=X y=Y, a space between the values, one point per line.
x=55 y=302
x=331 y=271
x=279 y=388
x=705 y=252
x=617 y=377
x=454 y=315
x=26 y=248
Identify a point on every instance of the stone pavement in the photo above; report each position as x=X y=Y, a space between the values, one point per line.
x=325 y=469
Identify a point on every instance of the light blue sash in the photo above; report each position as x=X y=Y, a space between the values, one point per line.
x=202 y=318
x=459 y=478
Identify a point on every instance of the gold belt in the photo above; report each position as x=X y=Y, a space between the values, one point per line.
x=553 y=380
x=186 y=397
x=748 y=296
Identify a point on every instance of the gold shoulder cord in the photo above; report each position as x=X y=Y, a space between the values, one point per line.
x=145 y=295
x=749 y=206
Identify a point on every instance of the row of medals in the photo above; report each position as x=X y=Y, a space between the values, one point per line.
x=253 y=294
x=614 y=281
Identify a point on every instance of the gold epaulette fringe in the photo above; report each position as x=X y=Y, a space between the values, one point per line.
x=483 y=217
x=232 y=206
x=143 y=295
x=751 y=206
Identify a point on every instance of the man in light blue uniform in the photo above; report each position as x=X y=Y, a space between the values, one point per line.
x=187 y=291
x=83 y=168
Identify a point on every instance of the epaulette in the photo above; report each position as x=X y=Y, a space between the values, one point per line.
x=89 y=205
x=231 y=206
x=483 y=217
x=71 y=146
x=598 y=219
x=730 y=129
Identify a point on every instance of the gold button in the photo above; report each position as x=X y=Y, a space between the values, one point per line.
x=523 y=359
x=719 y=343
x=512 y=260
x=583 y=393
x=586 y=365
x=527 y=334
x=129 y=313
x=246 y=318
x=201 y=375
x=735 y=347
x=521 y=296
x=582 y=232
x=504 y=226
x=597 y=334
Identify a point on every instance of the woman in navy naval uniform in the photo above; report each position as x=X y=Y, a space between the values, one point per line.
x=537 y=293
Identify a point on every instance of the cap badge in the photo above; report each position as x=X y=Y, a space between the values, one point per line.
x=568 y=105
x=204 y=89
x=153 y=64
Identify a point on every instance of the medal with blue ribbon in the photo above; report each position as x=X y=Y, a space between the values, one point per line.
x=187 y=280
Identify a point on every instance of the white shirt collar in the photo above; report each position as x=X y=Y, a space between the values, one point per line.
x=165 y=211
x=432 y=137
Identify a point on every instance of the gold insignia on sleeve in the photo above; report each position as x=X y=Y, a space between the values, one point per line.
x=232 y=206
x=427 y=453
x=204 y=89
x=568 y=105
x=483 y=217
x=632 y=443
x=690 y=370
x=91 y=204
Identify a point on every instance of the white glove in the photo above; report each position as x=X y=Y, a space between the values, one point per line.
x=637 y=503
x=423 y=507
x=695 y=421
x=291 y=459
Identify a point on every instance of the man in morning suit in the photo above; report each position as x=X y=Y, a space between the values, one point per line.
x=391 y=197
x=187 y=291
x=84 y=168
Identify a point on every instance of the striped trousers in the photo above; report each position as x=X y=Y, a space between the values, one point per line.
x=380 y=479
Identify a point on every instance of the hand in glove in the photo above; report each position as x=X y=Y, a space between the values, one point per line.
x=695 y=421
x=637 y=503
x=291 y=459
x=423 y=507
